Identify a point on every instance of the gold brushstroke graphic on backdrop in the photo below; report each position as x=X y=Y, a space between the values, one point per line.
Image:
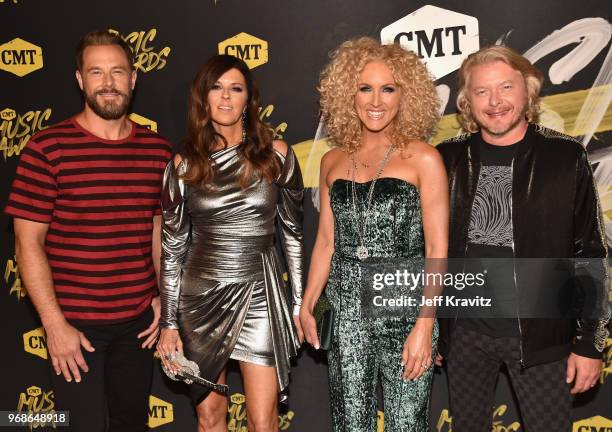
x=445 y=421
x=559 y=112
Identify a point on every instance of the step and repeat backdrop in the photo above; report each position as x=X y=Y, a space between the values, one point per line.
x=286 y=44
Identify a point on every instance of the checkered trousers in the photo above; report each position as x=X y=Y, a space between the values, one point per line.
x=473 y=367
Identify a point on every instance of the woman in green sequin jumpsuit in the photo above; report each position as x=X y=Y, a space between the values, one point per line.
x=384 y=189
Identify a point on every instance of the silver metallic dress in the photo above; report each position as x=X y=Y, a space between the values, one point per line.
x=221 y=282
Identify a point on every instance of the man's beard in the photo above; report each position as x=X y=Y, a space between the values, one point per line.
x=504 y=130
x=110 y=110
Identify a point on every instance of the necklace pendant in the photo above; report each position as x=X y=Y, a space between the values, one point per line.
x=362 y=252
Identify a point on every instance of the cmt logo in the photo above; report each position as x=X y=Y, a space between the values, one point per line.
x=20 y=57
x=160 y=412
x=252 y=50
x=17 y=129
x=34 y=342
x=237 y=418
x=143 y=121
x=593 y=424
x=442 y=38
x=237 y=413
x=7 y=114
x=34 y=400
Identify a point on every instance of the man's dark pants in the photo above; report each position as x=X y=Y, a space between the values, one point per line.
x=114 y=394
x=473 y=367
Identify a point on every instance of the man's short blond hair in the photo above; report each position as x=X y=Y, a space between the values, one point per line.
x=532 y=76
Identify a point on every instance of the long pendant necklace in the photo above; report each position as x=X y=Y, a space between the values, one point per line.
x=361 y=217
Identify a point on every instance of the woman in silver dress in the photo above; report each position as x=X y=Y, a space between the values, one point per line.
x=221 y=286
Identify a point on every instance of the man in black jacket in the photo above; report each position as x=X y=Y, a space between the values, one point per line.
x=520 y=191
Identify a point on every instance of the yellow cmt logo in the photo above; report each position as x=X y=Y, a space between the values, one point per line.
x=20 y=57
x=35 y=400
x=160 y=412
x=593 y=424
x=34 y=391
x=252 y=50
x=7 y=114
x=17 y=129
x=143 y=121
x=35 y=342
x=237 y=420
x=237 y=417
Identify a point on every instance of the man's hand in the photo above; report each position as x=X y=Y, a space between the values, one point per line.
x=63 y=340
x=153 y=330
x=64 y=345
x=583 y=371
x=439 y=360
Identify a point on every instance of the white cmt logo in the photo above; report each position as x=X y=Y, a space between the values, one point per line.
x=440 y=37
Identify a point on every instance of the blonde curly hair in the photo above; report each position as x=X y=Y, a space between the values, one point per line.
x=532 y=76
x=418 y=112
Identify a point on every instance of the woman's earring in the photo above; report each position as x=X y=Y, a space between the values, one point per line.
x=244 y=126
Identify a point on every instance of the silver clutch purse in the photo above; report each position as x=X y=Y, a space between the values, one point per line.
x=189 y=373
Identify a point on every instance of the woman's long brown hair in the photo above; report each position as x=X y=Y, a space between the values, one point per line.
x=256 y=152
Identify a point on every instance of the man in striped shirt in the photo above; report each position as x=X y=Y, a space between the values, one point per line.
x=85 y=202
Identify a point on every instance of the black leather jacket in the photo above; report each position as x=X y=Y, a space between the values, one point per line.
x=555 y=214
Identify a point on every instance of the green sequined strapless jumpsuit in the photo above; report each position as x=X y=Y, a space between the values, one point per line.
x=366 y=351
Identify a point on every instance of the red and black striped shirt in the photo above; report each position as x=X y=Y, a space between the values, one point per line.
x=99 y=198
